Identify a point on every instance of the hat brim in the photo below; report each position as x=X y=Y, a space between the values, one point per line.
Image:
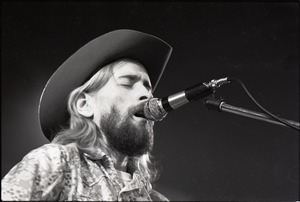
x=149 y=50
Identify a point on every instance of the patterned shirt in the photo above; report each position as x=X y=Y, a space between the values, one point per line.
x=61 y=172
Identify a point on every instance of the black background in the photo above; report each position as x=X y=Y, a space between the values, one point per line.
x=205 y=155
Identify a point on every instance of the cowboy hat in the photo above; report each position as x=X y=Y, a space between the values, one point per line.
x=152 y=52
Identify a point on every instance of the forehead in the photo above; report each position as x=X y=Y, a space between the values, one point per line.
x=131 y=68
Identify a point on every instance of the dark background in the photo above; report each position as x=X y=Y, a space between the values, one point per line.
x=205 y=155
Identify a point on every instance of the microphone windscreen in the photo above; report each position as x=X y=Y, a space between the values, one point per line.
x=153 y=111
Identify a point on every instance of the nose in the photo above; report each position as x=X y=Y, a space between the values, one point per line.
x=145 y=94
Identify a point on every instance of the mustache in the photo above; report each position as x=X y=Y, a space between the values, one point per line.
x=137 y=109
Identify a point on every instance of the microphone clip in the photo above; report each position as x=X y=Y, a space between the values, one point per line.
x=214 y=84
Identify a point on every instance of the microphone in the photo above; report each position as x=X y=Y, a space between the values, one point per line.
x=155 y=109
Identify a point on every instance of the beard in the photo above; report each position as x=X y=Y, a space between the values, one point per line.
x=125 y=136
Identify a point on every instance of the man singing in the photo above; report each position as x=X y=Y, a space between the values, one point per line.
x=91 y=110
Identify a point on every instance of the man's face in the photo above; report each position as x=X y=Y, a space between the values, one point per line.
x=118 y=110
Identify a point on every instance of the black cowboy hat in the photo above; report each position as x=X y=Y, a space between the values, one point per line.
x=149 y=50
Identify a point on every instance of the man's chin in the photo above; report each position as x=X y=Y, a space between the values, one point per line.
x=129 y=137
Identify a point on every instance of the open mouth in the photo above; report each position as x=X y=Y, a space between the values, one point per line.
x=140 y=114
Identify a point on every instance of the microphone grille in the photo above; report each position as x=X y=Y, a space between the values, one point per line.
x=153 y=111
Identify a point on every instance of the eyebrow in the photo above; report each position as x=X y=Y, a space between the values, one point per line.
x=130 y=76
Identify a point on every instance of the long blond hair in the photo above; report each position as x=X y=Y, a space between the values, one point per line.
x=85 y=133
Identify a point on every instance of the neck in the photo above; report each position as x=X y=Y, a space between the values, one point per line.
x=120 y=160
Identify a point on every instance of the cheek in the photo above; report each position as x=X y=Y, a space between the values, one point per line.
x=117 y=101
x=104 y=105
x=120 y=104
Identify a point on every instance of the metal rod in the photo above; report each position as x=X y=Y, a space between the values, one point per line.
x=252 y=114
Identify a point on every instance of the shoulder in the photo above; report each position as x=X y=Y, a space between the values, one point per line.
x=50 y=150
x=39 y=175
x=52 y=154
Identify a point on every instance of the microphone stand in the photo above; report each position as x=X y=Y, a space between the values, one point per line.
x=220 y=105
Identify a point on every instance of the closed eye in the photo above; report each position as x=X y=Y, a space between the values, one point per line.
x=129 y=80
x=126 y=85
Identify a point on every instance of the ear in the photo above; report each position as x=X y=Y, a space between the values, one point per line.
x=85 y=105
